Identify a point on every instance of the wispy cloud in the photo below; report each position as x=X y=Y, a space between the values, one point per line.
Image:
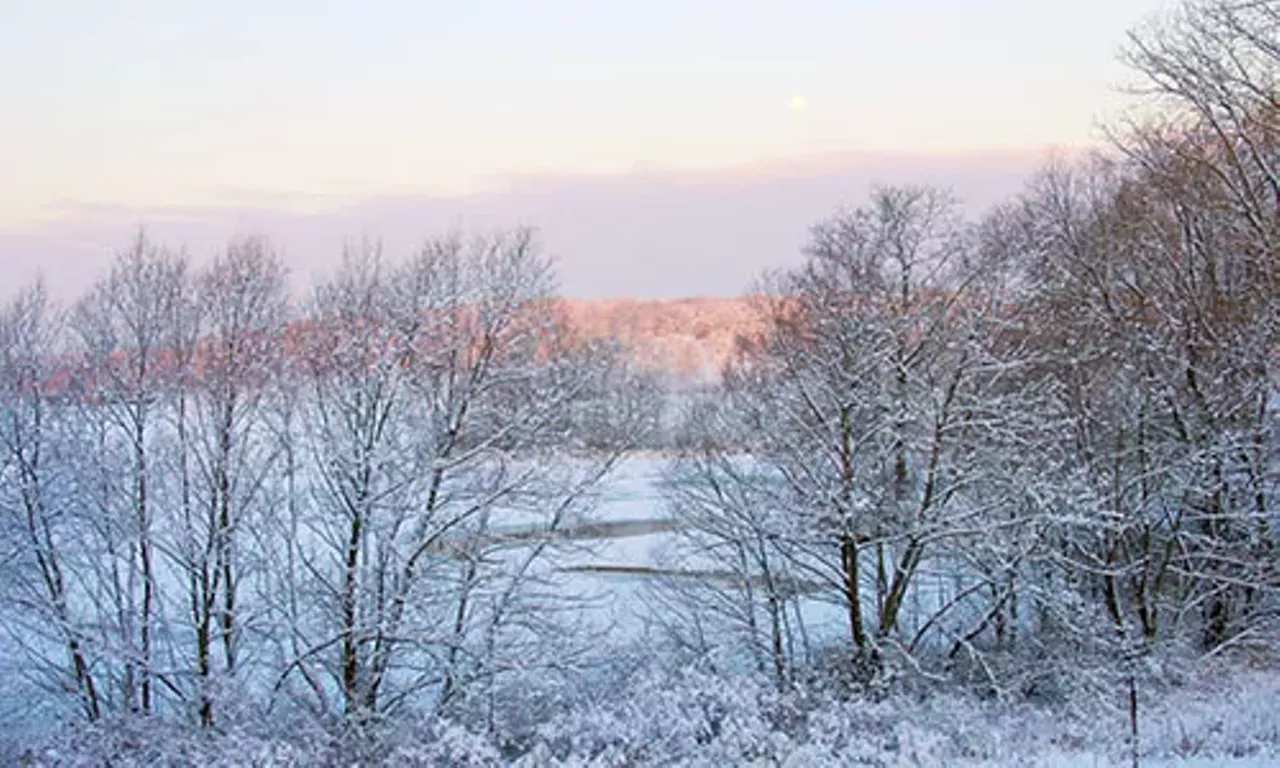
x=649 y=233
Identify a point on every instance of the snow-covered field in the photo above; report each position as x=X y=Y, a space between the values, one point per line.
x=637 y=547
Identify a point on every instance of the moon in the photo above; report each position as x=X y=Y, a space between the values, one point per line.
x=799 y=104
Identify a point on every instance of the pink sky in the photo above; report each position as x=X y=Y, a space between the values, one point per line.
x=655 y=234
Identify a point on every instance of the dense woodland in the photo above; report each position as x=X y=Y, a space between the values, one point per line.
x=1028 y=459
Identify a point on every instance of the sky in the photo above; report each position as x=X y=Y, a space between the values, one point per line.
x=340 y=117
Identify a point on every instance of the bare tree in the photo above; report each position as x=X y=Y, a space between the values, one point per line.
x=124 y=324
x=735 y=560
x=226 y=458
x=879 y=411
x=37 y=499
x=440 y=390
x=1213 y=69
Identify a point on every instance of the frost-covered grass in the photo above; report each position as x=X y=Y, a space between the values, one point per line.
x=698 y=718
x=1224 y=715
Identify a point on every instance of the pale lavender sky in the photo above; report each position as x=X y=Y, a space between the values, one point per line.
x=664 y=147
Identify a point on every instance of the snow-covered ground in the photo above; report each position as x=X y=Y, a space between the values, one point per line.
x=1228 y=717
x=1225 y=718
